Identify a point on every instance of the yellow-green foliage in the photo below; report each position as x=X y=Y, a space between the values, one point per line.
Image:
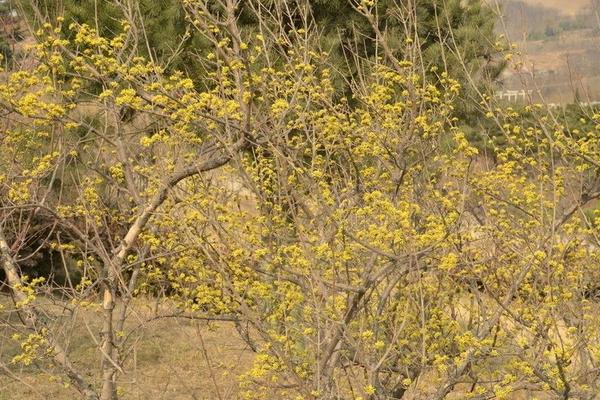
x=361 y=237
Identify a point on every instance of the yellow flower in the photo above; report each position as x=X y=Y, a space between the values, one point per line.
x=369 y=389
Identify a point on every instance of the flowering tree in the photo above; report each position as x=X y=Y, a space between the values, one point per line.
x=359 y=243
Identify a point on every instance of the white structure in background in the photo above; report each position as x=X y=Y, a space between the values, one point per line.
x=13 y=12
x=513 y=95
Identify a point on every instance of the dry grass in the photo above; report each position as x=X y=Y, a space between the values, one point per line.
x=560 y=68
x=170 y=359
x=568 y=7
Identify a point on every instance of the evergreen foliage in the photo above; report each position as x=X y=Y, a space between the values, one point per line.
x=465 y=26
x=6 y=50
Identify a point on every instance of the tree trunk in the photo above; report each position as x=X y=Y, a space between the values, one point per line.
x=109 y=388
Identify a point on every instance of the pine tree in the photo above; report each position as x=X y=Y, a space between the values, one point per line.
x=9 y=32
x=161 y=24
x=445 y=28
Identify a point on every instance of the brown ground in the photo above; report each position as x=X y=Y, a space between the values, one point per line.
x=173 y=360
x=563 y=67
x=567 y=7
